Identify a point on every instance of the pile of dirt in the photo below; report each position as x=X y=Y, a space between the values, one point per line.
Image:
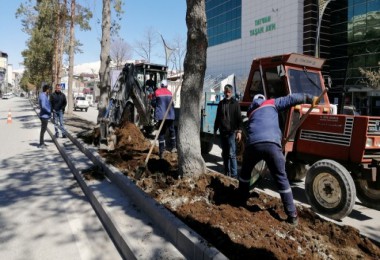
x=209 y=204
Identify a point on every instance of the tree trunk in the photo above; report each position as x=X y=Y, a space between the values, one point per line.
x=189 y=149
x=56 y=13
x=104 y=83
x=71 y=57
x=62 y=36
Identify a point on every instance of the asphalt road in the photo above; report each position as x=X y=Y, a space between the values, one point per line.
x=43 y=212
x=365 y=219
x=91 y=114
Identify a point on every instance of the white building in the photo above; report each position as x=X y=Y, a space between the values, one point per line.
x=260 y=28
x=3 y=72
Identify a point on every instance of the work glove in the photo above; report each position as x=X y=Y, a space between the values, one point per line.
x=313 y=100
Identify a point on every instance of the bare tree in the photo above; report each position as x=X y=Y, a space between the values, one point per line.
x=56 y=39
x=61 y=35
x=120 y=52
x=144 y=47
x=372 y=77
x=189 y=149
x=104 y=84
x=71 y=58
x=179 y=51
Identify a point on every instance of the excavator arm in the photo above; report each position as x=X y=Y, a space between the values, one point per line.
x=129 y=102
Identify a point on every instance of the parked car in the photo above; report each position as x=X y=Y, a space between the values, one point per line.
x=7 y=95
x=81 y=103
x=350 y=110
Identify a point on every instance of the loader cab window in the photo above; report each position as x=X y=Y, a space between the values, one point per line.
x=160 y=76
x=274 y=84
x=275 y=88
x=302 y=81
x=151 y=81
x=139 y=75
x=256 y=85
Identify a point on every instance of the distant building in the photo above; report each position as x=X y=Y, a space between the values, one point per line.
x=3 y=72
x=349 y=37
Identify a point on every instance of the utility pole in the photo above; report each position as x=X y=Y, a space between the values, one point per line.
x=168 y=51
x=322 y=7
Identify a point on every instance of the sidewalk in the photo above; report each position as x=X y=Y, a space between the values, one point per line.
x=43 y=213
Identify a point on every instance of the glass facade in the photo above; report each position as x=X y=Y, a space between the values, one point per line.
x=354 y=43
x=354 y=40
x=223 y=21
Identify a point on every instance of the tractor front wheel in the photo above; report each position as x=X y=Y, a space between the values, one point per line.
x=368 y=193
x=330 y=189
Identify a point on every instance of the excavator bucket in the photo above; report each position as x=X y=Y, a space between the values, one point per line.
x=107 y=136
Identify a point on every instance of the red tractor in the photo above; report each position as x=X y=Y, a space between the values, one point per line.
x=339 y=154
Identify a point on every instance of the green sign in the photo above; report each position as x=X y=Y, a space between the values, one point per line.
x=263 y=25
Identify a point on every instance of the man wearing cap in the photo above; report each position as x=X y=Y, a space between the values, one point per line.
x=162 y=101
x=229 y=122
x=264 y=143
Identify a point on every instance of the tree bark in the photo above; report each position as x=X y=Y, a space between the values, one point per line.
x=189 y=149
x=62 y=35
x=71 y=57
x=104 y=84
x=56 y=13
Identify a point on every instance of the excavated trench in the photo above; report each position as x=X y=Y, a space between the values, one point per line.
x=209 y=204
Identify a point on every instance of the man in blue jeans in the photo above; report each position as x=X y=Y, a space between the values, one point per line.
x=229 y=122
x=58 y=104
x=45 y=112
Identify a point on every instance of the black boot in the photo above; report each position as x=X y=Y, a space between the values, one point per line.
x=161 y=148
x=243 y=191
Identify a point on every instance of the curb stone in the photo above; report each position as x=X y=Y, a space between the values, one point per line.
x=188 y=242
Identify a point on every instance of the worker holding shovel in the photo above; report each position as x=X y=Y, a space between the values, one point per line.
x=163 y=99
x=264 y=143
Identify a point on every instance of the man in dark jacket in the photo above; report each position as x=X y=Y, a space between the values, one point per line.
x=163 y=97
x=229 y=122
x=58 y=104
x=264 y=143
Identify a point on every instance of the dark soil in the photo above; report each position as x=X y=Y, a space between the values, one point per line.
x=209 y=204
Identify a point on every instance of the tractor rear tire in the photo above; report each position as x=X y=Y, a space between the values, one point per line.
x=368 y=193
x=295 y=171
x=259 y=171
x=330 y=189
x=240 y=146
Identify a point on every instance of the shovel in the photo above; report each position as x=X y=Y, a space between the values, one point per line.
x=260 y=169
x=141 y=170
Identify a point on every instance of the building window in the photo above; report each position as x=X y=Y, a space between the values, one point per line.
x=355 y=40
x=223 y=21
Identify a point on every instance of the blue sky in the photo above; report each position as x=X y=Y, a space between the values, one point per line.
x=165 y=16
